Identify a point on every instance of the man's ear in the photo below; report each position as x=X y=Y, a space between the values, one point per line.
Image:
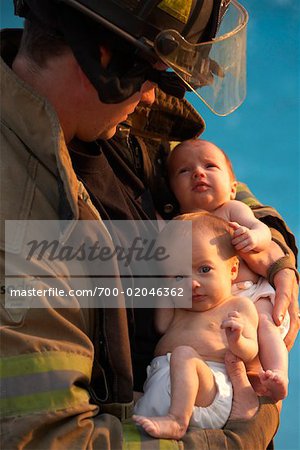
x=235 y=268
x=233 y=190
x=105 y=56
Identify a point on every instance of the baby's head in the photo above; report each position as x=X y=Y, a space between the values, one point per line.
x=212 y=229
x=214 y=260
x=201 y=176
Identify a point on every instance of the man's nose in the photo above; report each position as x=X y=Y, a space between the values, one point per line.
x=147 y=93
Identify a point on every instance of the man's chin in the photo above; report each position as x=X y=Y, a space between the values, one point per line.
x=108 y=134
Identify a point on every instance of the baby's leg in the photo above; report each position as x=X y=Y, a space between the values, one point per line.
x=192 y=383
x=272 y=353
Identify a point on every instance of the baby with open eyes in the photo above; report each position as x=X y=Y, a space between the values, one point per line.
x=202 y=179
x=187 y=382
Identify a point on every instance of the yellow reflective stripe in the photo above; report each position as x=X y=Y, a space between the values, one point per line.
x=180 y=9
x=44 y=362
x=43 y=381
x=243 y=194
x=135 y=439
x=131 y=437
x=48 y=401
x=169 y=444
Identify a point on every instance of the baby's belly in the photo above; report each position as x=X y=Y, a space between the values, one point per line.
x=213 y=350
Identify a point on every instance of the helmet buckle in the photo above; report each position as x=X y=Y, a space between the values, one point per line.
x=166 y=44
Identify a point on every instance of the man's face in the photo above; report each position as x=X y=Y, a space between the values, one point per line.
x=199 y=177
x=100 y=120
x=118 y=113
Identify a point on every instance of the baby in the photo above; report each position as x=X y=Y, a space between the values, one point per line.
x=201 y=178
x=187 y=383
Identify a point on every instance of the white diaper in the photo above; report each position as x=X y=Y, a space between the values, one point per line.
x=157 y=388
x=259 y=290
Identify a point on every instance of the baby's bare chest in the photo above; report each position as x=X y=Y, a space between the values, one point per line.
x=205 y=336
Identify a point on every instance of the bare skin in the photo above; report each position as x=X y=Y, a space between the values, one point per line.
x=202 y=179
x=244 y=407
x=217 y=321
x=274 y=383
x=75 y=100
x=167 y=427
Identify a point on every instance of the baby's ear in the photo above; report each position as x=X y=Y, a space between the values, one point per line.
x=233 y=190
x=234 y=268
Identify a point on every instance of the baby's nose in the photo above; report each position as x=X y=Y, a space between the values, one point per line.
x=195 y=284
x=198 y=172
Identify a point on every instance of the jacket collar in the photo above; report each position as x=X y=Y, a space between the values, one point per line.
x=168 y=119
x=34 y=121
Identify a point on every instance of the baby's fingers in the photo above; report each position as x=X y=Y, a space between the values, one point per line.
x=233 y=314
x=245 y=248
x=244 y=245
x=239 y=239
x=231 y=324
x=234 y=225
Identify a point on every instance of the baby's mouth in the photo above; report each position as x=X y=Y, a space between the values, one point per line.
x=197 y=298
x=200 y=187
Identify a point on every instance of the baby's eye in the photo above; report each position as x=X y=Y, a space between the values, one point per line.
x=184 y=170
x=211 y=165
x=204 y=269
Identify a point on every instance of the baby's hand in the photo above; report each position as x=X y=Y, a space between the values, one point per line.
x=243 y=240
x=233 y=326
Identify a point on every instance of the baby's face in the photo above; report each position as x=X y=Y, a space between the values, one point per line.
x=212 y=273
x=199 y=177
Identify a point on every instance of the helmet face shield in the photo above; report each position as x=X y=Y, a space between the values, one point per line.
x=202 y=41
x=214 y=70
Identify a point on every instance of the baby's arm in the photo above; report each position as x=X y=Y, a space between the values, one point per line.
x=163 y=318
x=241 y=330
x=249 y=232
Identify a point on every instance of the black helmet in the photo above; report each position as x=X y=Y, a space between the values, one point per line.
x=141 y=32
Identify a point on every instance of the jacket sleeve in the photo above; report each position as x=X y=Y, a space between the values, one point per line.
x=45 y=401
x=279 y=229
x=256 y=433
x=46 y=366
x=281 y=234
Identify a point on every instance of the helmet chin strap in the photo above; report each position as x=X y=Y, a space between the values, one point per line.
x=168 y=82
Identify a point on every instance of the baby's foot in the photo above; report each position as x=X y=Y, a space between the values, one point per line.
x=275 y=382
x=167 y=427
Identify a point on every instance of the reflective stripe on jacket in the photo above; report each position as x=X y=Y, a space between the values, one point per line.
x=48 y=354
